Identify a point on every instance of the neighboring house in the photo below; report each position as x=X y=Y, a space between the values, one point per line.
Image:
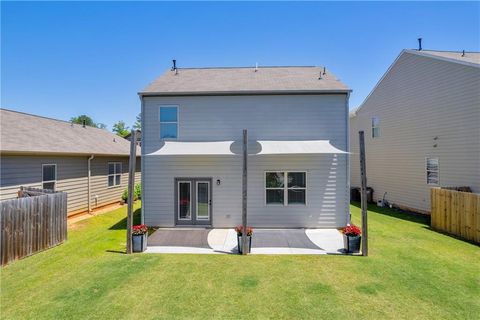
x=53 y=154
x=422 y=128
x=297 y=119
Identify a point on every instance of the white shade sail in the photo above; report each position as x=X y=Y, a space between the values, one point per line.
x=194 y=148
x=254 y=147
x=297 y=147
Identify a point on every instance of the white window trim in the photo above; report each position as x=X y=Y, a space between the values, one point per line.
x=285 y=188
x=168 y=122
x=376 y=127
x=427 y=171
x=196 y=200
x=115 y=173
x=49 y=181
x=189 y=202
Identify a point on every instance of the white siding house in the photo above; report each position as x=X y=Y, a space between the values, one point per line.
x=422 y=128
x=274 y=104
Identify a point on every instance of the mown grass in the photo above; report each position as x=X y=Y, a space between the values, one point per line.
x=411 y=273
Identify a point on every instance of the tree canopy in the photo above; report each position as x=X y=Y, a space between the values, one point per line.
x=121 y=129
x=88 y=121
x=138 y=122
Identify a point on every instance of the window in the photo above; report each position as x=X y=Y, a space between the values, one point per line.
x=114 y=174
x=168 y=122
x=49 y=176
x=375 y=127
x=432 y=170
x=284 y=188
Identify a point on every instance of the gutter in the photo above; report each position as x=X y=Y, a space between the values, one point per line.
x=243 y=93
x=88 y=183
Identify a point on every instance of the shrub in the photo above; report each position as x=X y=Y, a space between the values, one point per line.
x=125 y=194
x=137 y=193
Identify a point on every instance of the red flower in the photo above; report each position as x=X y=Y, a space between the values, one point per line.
x=139 y=230
x=239 y=230
x=351 y=230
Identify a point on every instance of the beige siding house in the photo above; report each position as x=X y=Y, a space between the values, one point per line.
x=422 y=128
x=296 y=117
x=47 y=153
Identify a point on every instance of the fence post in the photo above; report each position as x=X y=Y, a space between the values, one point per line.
x=363 y=175
x=131 y=188
x=244 y=192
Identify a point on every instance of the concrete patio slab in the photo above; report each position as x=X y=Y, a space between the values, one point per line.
x=265 y=241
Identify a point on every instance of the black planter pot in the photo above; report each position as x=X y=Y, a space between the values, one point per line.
x=352 y=244
x=139 y=243
x=240 y=244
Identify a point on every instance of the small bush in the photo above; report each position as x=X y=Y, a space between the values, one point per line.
x=137 y=193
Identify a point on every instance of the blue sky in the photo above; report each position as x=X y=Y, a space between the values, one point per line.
x=61 y=59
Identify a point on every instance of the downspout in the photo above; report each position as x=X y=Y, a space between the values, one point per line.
x=88 y=183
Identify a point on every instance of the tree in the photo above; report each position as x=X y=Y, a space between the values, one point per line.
x=138 y=122
x=83 y=118
x=88 y=121
x=120 y=129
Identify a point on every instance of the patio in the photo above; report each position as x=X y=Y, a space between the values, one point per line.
x=264 y=241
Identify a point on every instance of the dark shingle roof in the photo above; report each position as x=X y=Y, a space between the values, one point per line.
x=266 y=80
x=26 y=133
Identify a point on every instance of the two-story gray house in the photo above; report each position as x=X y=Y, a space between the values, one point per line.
x=297 y=122
x=422 y=128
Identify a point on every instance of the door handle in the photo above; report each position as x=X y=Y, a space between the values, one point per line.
x=210 y=202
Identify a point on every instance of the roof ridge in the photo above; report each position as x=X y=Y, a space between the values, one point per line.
x=248 y=67
x=453 y=51
x=53 y=119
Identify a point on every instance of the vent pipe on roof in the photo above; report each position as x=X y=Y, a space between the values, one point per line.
x=84 y=123
x=174 y=67
x=320 y=75
x=324 y=71
x=419 y=44
x=463 y=53
x=256 y=66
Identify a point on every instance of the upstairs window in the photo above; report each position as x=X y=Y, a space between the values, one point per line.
x=375 y=127
x=285 y=188
x=114 y=174
x=49 y=176
x=432 y=171
x=168 y=122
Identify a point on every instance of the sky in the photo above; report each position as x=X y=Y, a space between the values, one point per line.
x=63 y=59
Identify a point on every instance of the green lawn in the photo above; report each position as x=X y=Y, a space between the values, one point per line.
x=411 y=273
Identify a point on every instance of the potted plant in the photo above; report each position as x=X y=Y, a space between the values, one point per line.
x=139 y=237
x=351 y=238
x=239 y=231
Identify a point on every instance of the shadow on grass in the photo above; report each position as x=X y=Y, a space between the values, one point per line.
x=122 y=224
x=116 y=251
x=451 y=235
x=397 y=213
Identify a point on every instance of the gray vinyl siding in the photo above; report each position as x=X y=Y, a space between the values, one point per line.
x=17 y=171
x=101 y=193
x=427 y=108
x=321 y=117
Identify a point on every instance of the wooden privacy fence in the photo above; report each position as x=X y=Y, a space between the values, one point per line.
x=35 y=221
x=457 y=213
